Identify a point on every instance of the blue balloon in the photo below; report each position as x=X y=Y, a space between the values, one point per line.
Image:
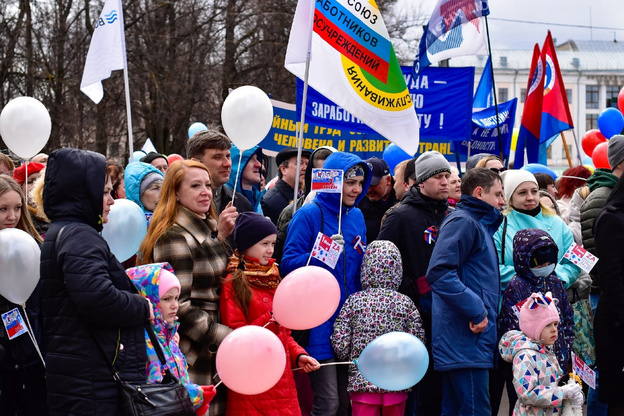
x=137 y=155
x=125 y=229
x=394 y=361
x=196 y=127
x=539 y=168
x=393 y=155
x=587 y=160
x=610 y=122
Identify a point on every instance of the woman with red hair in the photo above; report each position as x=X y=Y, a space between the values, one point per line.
x=570 y=181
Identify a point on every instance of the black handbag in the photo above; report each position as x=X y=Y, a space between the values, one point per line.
x=168 y=398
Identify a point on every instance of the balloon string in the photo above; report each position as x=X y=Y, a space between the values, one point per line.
x=32 y=336
x=240 y=159
x=218 y=384
x=336 y=363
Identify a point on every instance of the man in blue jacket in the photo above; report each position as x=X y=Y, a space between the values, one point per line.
x=464 y=280
x=330 y=382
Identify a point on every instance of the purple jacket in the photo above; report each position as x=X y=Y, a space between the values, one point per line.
x=524 y=283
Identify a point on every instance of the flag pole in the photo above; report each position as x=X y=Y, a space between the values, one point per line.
x=303 y=106
x=500 y=141
x=565 y=146
x=578 y=151
x=126 y=84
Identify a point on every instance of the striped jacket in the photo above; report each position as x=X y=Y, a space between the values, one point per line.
x=199 y=260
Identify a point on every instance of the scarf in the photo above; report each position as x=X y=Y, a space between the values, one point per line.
x=258 y=276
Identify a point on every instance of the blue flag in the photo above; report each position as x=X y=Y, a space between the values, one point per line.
x=484 y=96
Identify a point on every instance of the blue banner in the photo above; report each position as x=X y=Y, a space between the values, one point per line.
x=442 y=98
x=283 y=134
x=484 y=137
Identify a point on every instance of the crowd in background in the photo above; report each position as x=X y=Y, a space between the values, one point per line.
x=447 y=256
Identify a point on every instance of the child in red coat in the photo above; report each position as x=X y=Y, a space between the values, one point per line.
x=247 y=299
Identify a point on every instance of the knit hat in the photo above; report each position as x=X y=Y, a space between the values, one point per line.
x=149 y=179
x=537 y=312
x=409 y=172
x=543 y=255
x=168 y=281
x=513 y=178
x=250 y=228
x=615 y=150
x=19 y=174
x=148 y=158
x=472 y=161
x=379 y=167
x=430 y=164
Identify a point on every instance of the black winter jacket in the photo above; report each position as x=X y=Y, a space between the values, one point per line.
x=609 y=319
x=86 y=294
x=276 y=199
x=413 y=226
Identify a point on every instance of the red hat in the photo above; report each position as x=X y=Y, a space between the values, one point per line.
x=19 y=174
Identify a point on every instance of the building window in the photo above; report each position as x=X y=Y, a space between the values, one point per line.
x=503 y=95
x=591 y=96
x=612 y=95
x=569 y=94
x=591 y=121
x=522 y=95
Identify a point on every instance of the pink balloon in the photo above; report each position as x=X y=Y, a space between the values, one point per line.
x=251 y=360
x=173 y=157
x=306 y=298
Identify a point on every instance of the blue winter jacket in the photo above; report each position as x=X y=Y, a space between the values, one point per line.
x=322 y=215
x=464 y=280
x=133 y=176
x=255 y=194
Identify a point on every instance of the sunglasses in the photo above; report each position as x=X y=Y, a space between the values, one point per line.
x=499 y=171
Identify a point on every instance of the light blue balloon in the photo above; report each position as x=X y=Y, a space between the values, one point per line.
x=394 y=361
x=610 y=122
x=137 y=155
x=125 y=229
x=196 y=127
x=587 y=160
x=393 y=155
x=539 y=168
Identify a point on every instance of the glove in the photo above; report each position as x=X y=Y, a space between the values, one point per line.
x=209 y=393
x=573 y=393
x=339 y=239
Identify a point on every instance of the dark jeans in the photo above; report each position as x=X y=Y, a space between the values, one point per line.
x=329 y=384
x=465 y=393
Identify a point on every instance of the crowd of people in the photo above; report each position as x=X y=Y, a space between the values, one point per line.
x=470 y=263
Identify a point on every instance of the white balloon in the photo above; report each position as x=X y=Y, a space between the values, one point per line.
x=25 y=126
x=247 y=116
x=125 y=229
x=19 y=256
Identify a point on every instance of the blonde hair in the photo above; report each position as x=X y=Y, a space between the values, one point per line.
x=36 y=195
x=485 y=160
x=168 y=207
x=25 y=223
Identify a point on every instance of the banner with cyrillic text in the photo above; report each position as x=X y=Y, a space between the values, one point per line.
x=283 y=134
x=442 y=100
x=484 y=138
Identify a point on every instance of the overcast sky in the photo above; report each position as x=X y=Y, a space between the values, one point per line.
x=583 y=20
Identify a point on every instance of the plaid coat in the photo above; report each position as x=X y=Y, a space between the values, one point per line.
x=199 y=260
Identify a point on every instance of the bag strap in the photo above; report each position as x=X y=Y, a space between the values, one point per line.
x=148 y=328
x=504 y=237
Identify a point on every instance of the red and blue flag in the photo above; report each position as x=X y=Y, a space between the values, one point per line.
x=530 y=126
x=556 y=115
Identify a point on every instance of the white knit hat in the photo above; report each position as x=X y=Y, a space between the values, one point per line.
x=513 y=178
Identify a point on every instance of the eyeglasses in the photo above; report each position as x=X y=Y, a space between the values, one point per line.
x=499 y=171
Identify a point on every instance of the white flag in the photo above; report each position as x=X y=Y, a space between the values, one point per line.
x=106 y=52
